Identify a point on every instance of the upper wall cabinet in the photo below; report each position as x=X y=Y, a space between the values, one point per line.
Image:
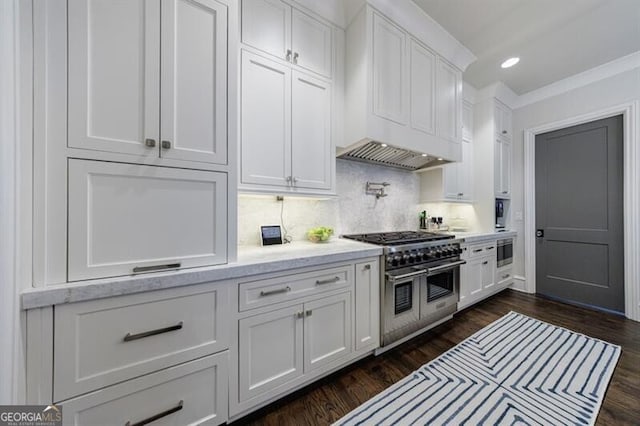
x=399 y=91
x=156 y=86
x=502 y=121
x=287 y=33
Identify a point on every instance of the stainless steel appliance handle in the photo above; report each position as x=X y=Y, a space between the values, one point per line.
x=446 y=267
x=394 y=278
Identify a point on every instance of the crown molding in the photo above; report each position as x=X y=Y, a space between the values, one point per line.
x=601 y=72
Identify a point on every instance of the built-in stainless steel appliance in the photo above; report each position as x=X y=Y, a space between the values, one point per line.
x=504 y=254
x=420 y=278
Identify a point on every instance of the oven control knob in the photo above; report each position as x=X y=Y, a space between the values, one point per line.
x=421 y=256
x=431 y=254
x=458 y=250
x=413 y=257
x=406 y=259
x=438 y=253
x=396 y=260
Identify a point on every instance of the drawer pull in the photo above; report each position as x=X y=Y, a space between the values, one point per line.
x=276 y=291
x=477 y=250
x=139 y=269
x=309 y=312
x=505 y=276
x=329 y=281
x=129 y=337
x=367 y=266
x=490 y=248
x=157 y=416
x=485 y=262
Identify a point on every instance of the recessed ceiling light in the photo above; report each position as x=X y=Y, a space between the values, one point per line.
x=439 y=159
x=384 y=145
x=510 y=62
x=424 y=155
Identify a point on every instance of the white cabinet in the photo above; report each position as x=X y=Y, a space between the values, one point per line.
x=467 y=121
x=308 y=336
x=155 y=87
x=389 y=57
x=286 y=127
x=450 y=182
x=478 y=275
x=126 y=219
x=448 y=102
x=502 y=174
x=367 y=302
x=502 y=121
x=278 y=29
x=398 y=91
x=422 y=69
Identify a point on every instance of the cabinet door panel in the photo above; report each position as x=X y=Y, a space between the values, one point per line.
x=505 y=166
x=194 y=80
x=447 y=101
x=311 y=153
x=123 y=216
x=327 y=330
x=270 y=350
x=266 y=121
x=467 y=121
x=389 y=73
x=367 y=305
x=465 y=172
x=266 y=25
x=114 y=75
x=488 y=265
x=422 y=69
x=311 y=41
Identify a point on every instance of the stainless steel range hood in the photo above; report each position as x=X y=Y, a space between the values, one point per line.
x=390 y=156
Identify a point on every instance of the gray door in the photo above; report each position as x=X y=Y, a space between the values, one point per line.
x=579 y=257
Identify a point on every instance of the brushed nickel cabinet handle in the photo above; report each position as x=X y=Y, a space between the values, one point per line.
x=490 y=248
x=300 y=314
x=288 y=55
x=329 y=281
x=157 y=416
x=505 y=276
x=504 y=132
x=276 y=291
x=485 y=262
x=166 y=144
x=505 y=192
x=309 y=312
x=477 y=250
x=139 y=269
x=129 y=337
x=151 y=143
x=295 y=58
x=367 y=266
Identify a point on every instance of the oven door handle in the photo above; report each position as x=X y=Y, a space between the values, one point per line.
x=394 y=278
x=446 y=267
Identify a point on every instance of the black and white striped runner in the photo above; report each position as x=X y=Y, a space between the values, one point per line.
x=517 y=370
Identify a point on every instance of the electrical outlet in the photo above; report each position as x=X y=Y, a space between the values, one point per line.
x=279 y=198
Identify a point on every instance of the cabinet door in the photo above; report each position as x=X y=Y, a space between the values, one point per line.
x=367 y=305
x=194 y=81
x=311 y=43
x=467 y=121
x=311 y=152
x=270 y=350
x=470 y=282
x=114 y=75
x=327 y=330
x=502 y=121
x=505 y=168
x=465 y=172
x=422 y=71
x=266 y=25
x=124 y=217
x=265 y=144
x=448 y=102
x=488 y=265
x=451 y=187
x=390 y=85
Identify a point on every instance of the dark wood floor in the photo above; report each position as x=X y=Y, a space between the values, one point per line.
x=332 y=397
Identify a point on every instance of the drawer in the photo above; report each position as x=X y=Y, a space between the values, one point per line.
x=255 y=294
x=504 y=276
x=126 y=219
x=480 y=250
x=191 y=393
x=103 y=342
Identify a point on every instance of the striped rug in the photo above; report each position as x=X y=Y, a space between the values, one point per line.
x=517 y=370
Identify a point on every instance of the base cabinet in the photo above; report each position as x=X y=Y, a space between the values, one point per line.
x=310 y=323
x=191 y=393
x=478 y=275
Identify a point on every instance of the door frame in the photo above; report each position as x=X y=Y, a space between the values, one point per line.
x=631 y=197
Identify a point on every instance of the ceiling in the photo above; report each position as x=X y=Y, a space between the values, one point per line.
x=553 y=38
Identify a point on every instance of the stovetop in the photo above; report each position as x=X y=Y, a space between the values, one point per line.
x=398 y=238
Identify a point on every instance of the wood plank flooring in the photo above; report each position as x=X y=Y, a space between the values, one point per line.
x=330 y=398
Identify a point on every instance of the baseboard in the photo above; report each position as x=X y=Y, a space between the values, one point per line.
x=520 y=284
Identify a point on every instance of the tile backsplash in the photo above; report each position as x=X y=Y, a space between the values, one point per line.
x=352 y=211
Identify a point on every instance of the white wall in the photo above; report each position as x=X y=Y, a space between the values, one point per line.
x=609 y=92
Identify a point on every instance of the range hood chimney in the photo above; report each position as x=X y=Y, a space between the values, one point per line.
x=382 y=154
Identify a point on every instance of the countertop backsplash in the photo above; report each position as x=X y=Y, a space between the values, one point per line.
x=353 y=211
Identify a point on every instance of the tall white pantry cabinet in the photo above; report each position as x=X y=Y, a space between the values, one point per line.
x=133 y=122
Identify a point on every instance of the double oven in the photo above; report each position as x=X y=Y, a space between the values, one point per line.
x=420 y=281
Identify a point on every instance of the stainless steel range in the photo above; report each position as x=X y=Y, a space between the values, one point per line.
x=420 y=279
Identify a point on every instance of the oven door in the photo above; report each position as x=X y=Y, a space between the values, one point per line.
x=439 y=292
x=401 y=302
x=504 y=254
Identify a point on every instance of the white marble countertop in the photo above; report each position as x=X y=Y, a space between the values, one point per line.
x=475 y=237
x=251 y=261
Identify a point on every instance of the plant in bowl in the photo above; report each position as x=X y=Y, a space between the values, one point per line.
x=320 y=234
